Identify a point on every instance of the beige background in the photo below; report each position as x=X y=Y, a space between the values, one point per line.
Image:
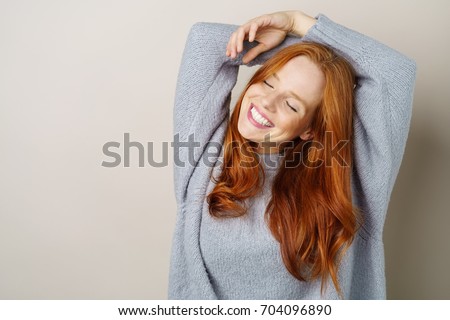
x=77 y=74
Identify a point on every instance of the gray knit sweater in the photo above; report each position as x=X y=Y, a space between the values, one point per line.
x=238 y=258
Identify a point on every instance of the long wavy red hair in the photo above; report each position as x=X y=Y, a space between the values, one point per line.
x=310 y=212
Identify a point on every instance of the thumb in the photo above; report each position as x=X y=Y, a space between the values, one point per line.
x=253 y=53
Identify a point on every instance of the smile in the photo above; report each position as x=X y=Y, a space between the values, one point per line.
x=257 y=119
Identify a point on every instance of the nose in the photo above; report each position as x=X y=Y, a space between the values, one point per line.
x=268 y=102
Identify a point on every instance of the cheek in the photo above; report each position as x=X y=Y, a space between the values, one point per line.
x=292 y=127
x=249 y=94
x=243 y=107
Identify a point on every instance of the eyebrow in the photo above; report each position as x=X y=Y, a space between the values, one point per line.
x=291 y=92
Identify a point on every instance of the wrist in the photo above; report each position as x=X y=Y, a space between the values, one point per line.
x=301 y=23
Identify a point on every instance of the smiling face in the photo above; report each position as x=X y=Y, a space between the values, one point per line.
x=281 y=108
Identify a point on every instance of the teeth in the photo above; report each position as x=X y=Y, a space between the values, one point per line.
x=259 y=118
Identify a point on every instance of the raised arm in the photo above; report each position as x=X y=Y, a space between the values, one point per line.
x=204 y=84
x=383 y=97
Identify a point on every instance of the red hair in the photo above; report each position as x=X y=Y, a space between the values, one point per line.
x=310 y=213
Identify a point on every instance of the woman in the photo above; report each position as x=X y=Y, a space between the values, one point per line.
x=287 y=198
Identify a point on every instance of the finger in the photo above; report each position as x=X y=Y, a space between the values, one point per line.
x=253 y=53
x=230 y=44
x=228 y=47
x=252 y=32
x=233 y=45
x=240 y=39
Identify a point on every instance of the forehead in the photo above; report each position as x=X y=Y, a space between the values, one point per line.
x=302 y=76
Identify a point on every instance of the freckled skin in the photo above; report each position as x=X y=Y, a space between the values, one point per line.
x=299 y=75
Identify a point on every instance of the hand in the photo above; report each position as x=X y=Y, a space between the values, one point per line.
x=269 y=30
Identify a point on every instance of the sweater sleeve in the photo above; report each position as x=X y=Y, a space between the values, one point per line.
x=383 y=103
x=203 y=88
x=202 y=98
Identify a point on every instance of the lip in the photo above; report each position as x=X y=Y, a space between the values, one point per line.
x=253 y=121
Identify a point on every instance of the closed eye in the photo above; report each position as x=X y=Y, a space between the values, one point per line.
x=291 y=106
x=267 y=84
